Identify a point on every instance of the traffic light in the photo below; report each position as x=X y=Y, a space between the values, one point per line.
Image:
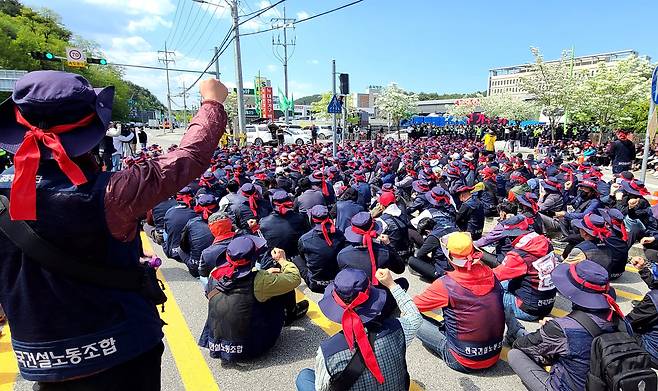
x=100 y=61
x=344 y=83
x=46 y=56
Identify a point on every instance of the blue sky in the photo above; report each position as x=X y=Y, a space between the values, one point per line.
x=423 y=45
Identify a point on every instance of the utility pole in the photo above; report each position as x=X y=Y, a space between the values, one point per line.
x=284 y=59
x=216 y=63
x=238 y=69
x=333 y=116
x=184 y=105
x=166 y=60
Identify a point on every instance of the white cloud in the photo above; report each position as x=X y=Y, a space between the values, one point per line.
x=147 y=23
x=312 y=62
x=131 y=43
x=302 y=15
x=137 y=7
x=271 y=68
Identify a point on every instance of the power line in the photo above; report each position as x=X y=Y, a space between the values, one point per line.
x=187 y=21
x=195 y=27
x=176 y=14
x=305 y=19
x=225 y=45
x=203 y=34
x=262 y=11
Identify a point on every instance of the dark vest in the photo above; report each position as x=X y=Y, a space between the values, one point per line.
x=198 y=238
x=345 y=210
x=389 y=348
x=650 y=338
x=535 y=288
x=284 y=231
x=174 y=221
x=572 y=368
x=309 y=199
x=211 y=256
x=596 y=251
x=61 y=328
x=159 y=212
x=618 y=249
x=397 y=230
x=320 y=257
x=239 y=327
x=363 y=189
x=464 y=317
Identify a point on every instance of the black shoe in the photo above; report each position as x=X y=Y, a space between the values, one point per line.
x=298 y=312
x=635 y=302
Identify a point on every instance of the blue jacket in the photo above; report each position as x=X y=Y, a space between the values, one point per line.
x=345 y=210
x=365 y=195
x=319 y=257
x=175 y=220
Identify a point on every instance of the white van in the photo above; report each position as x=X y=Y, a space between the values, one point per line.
x=261 y=135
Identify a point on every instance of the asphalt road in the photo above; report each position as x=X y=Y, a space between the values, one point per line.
x=187 y=367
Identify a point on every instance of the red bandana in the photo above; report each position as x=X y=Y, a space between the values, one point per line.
x=228 y=269
x=253 y=205
x=533 y=203
x=205 y=211
x=441 y=198
x=602 y=289
x=524 y=224
x=284 y=207
x=203 y=182
x=600 y=233
x=26 y=164
x=184 y=198
x=640 y=189
x=622 y=227
x=353 y=329
x=327 y=226
x=221 y=229
x=368 y=236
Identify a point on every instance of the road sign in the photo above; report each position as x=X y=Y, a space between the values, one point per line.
x=76 y=58
x=334 y=106
x=654 y=86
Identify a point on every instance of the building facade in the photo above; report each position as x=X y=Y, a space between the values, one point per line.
x=507 y=80
x=365 y=101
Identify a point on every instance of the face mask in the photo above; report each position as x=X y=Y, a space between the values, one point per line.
x=585 y=194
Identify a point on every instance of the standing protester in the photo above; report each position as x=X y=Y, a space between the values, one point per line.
x=96 y=215
x=621 y=152
x=143 y=138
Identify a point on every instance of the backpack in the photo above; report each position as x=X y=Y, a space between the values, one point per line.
x=617 y=362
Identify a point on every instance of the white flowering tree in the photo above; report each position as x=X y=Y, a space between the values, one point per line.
x=552 y=84
x=395 y=103
x=509 y=106
x=464 y=107
x=616 y=96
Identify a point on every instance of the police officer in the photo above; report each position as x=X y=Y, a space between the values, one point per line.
x=52 y=120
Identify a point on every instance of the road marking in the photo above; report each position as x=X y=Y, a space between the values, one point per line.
x=192 y=366
x=631 y=269
x=628 y=295
x=8 y=363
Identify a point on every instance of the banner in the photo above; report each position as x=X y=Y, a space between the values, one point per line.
x=267 y=103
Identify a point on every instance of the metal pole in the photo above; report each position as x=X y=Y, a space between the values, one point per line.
x=217 y=63
x=238 y=69
x=285 y=64
x=645 y=157
x=171 y=124
x=333 y=86
x=184 y=106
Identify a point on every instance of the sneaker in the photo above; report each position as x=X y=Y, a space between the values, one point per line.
x=298 y=312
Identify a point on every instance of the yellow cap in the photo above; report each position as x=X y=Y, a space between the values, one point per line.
x=460 y=244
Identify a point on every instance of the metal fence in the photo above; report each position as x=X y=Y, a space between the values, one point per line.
x=8 y=78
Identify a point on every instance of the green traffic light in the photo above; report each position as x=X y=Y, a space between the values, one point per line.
x=50 y=56
x=102 y=61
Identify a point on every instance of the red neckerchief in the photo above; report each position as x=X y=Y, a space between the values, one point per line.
x=412 y=173
x=596 y=288
x=359 y=178
x=205 y=211
x=524 y=224
x=353 y=329
x=283 y=207
x=569 y=173
x=228 y=269
x=327 y=226
x=368 y=236
x=622 y=227
x=556 y=185
x=253 y=204
x=203 y=182
x=261 y=176
x=600 y=233
x=23 y=192
x=236 y=176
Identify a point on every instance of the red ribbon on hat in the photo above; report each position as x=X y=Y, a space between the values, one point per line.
x=602 y=289
x=353 y=329
x=26 y=164
x=441 y=198
x=600 y=233
x=184 y=198
x=523 y=224
x=204 y=182
x=533 y=203
x=640 y=189
x=284 y=207
x=253 y=205
x=554 y=184
x=622 y=227
x=327 y=226
x=368 y=235
x=205 y=211
x=228 y=269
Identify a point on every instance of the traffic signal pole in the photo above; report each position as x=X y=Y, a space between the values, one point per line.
x=333 y=116
x=238 y=68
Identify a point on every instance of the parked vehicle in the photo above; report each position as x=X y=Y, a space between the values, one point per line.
x=261 y=135
x=153 y=124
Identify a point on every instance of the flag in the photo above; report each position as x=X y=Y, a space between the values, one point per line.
x=284 y=103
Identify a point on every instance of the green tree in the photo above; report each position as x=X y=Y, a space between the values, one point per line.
x=616 y=96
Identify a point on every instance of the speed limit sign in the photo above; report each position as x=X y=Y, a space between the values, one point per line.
x=75 y=57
